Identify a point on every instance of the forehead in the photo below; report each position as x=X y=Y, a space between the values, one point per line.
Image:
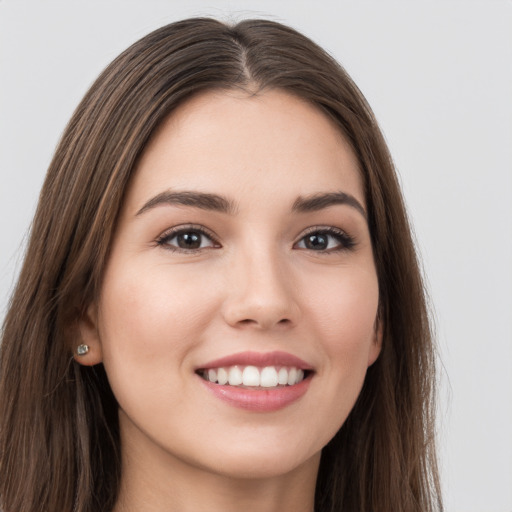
x=236 y=144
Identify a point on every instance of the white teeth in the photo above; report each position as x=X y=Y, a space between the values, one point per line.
x=269 y=377
x=222 y=376
x=292 y=376
x=282 y=376
x=251 y=376
x=235 y=376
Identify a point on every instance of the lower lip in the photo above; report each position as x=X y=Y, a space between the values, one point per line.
x=259 y=400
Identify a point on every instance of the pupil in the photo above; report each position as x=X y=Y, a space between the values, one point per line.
x=316 y=242
x=189 y=240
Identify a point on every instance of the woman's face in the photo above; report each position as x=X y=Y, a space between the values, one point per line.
x=242 y=253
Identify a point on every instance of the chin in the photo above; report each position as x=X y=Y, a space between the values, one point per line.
x=261 y=456
x=260 y=467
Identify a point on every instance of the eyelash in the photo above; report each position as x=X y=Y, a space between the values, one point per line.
x=345 y=241
x=164 y=239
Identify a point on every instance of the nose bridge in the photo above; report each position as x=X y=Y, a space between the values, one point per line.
x=261 y=291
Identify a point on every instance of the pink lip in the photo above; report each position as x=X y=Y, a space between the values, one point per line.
x=258 y=400
x=258 y=359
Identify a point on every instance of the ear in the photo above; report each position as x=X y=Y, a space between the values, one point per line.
x=376 y=346
x=87 y=349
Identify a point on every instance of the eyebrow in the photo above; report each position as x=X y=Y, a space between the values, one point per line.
x=202 y=200
x=215 y=202
x=320 y=201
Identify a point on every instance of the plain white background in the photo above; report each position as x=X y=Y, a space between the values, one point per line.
x=439 y=77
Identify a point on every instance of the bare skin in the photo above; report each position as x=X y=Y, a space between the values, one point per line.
x=190 y=490
x=243 y=234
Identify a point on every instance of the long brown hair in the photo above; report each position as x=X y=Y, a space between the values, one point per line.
x=59 y=433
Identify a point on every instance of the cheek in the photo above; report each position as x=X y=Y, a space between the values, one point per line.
x=346 y=308
x=150 y=321
x=344 y=312
x=152 y=309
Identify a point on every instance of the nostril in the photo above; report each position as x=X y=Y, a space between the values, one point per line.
x=247 y=321
x=284 y=322
x=251 y=312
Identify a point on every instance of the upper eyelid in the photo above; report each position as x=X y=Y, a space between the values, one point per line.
x=187 y=227
x=170 y=233
x=346 y=240
x=324 y=229
x=175 y=230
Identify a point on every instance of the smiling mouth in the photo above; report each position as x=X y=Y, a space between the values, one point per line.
x=253 y=377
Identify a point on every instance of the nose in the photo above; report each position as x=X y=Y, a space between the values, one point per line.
x=262 y=293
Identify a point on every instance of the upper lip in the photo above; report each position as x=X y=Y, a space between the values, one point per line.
x=259 y=359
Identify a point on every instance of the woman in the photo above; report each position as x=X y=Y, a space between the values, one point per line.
x=220 y=305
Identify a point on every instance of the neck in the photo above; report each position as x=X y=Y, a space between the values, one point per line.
x=152 y=483
x=189 y=491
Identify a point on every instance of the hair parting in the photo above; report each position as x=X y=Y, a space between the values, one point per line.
x=59 y=432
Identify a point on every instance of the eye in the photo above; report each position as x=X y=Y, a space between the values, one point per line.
x=325 y=240
x=185 y=239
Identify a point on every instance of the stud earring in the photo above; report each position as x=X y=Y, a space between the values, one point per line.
x=82 y=349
